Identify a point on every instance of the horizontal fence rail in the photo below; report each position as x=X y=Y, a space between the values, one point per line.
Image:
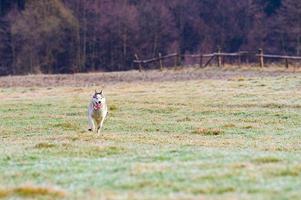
x=280 y=57
x=218 y=56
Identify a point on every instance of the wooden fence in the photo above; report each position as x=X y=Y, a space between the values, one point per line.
x=205 y=59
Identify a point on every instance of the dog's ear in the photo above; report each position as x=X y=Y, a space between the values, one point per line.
x=100 y=92
x=95 y=93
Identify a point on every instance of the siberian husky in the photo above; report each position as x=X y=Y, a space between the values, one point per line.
x=97 y=112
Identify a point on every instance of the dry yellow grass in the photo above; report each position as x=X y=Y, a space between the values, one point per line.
x=32 y=191
x=208 y=131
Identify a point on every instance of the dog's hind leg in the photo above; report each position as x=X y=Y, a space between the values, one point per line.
x=91 y=124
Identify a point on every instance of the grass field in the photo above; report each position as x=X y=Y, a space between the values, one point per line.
x=231 y=138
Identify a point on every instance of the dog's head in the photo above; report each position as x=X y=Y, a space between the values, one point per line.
x=98 y=100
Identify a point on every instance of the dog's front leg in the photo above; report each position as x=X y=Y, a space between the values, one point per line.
x=100 y=125
x=91 y=123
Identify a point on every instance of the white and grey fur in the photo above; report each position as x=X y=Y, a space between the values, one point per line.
x=97 y=112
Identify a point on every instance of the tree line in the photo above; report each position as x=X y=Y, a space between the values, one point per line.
x=67 y=36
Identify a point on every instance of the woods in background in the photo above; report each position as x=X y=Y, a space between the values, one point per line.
x=67 y=36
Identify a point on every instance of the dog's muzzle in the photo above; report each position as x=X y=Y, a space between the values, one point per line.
x=97 y=106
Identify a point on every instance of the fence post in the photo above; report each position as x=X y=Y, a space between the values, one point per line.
x=160 y=62
x=140 y=66
x=178 y=59
x=286 y=63
x=247 y=57
x=201 y=60
x=261 y=59
x=219 y=57
x=239 y=58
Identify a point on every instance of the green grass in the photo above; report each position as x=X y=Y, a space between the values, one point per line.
x=214 y=139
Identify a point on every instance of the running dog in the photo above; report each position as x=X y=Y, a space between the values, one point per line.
x=97 y=112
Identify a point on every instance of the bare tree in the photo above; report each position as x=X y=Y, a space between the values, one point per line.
x=42 y=35
x=289 y=26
